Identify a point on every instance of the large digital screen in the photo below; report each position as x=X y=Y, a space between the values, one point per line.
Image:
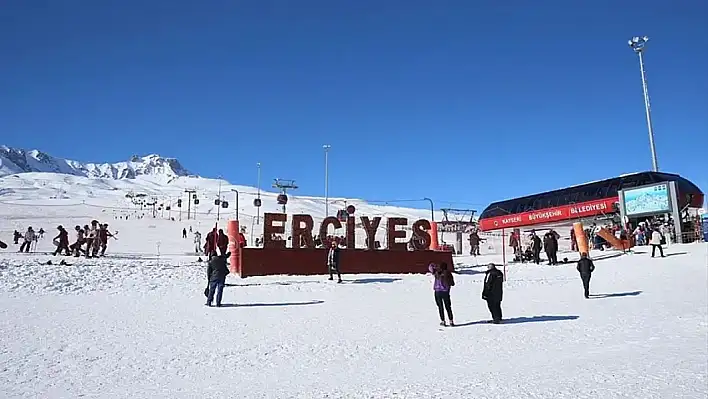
x=647 y=200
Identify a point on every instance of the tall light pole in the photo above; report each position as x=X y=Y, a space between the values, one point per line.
x=637 y=44
x=218 y=203
x=326 y=148
x=258 y=208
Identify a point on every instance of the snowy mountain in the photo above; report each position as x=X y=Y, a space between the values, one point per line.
x=16 y=160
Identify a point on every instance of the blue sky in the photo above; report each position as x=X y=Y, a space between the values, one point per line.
x=466 y=102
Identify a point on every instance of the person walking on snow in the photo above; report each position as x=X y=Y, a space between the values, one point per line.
x=656 y=243
x=217 y=270
x=333 y=261
x=29 y=237
x=493 y=292
x=184 y=233
x=441 y=286
x=62 y=242
x=585 y=268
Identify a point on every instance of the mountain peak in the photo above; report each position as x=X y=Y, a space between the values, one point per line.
x=17 y=160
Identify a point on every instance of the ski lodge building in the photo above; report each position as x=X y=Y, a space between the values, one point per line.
x=596 y=200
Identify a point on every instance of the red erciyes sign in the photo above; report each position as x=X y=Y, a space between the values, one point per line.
x=574 y=211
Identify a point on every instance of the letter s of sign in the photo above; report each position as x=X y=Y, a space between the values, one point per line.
x=421 y=237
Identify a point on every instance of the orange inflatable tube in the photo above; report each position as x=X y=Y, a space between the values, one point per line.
x=581 y=238
x=434 y=245
x=614 y=241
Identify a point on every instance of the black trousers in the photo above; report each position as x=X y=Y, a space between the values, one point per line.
x=25 y=247
x=586 y=284
x=495 y=309
x=442 y=299
x=553 y=257
x=653 y=250
x=537 y=257
x=62 y=247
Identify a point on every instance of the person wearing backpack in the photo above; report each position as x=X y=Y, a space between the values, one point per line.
x=441 y=286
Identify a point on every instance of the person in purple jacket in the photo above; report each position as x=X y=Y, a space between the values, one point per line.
x=442 y=284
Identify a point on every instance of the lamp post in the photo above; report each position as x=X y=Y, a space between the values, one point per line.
x=236 y=191
x=637 y=44
x=218 y=205
x=432 y=210
x=258 y=209
x=326 y=148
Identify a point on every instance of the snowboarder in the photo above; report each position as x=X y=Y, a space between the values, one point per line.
x=333 y=261
x=62 y=242
x=493 y=292
x=28 y=238
x=217 y=271
x=441 y=286
x=655 y=242
x=585 y=268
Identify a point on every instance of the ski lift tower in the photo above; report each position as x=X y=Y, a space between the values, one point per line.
x=284 y=185
x=462 y=221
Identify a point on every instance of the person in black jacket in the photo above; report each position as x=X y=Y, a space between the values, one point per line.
x=536 y=247
x=493 y=292
x=550 y=244
x=216 y=273
x=585 y=268
x=333 y=261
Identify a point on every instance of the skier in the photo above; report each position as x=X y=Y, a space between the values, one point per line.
x=333 y=261
x=29 y=237
x=655 y=242
x=216 y=273
x=62 y=242
x=184 y=233
x=16 y=236
x=442 y=284
x=585 y=268
x=493 y=292
x=41 y=233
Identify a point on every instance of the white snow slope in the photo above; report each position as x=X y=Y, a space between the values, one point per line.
x=134 y=324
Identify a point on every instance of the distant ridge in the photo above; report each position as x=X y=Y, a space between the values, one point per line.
x=17 y=160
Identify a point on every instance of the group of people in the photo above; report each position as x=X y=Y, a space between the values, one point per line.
x=492 y=292
x=492 y=289
x=90 y=241
x=532 y=253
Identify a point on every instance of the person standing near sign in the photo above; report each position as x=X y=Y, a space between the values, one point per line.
x=585 y=268
x=493 y=291
x=333 y=261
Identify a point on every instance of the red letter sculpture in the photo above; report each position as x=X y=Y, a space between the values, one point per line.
x=370 y=227
x=392 y=234
x=302 y=235
x=269 y=230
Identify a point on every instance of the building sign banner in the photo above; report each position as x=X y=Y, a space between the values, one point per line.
x=548 y=215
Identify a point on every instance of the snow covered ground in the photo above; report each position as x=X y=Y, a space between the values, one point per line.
x=135 y=325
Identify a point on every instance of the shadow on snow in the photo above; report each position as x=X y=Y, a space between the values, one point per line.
x=518 y=320
x=273 y=304
x=615 y=295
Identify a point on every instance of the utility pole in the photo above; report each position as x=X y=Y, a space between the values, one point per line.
x=326 y=148
x=637 y=44
x=258 y=208
x=284 y=185
x=189 y=201
x=218 y=205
